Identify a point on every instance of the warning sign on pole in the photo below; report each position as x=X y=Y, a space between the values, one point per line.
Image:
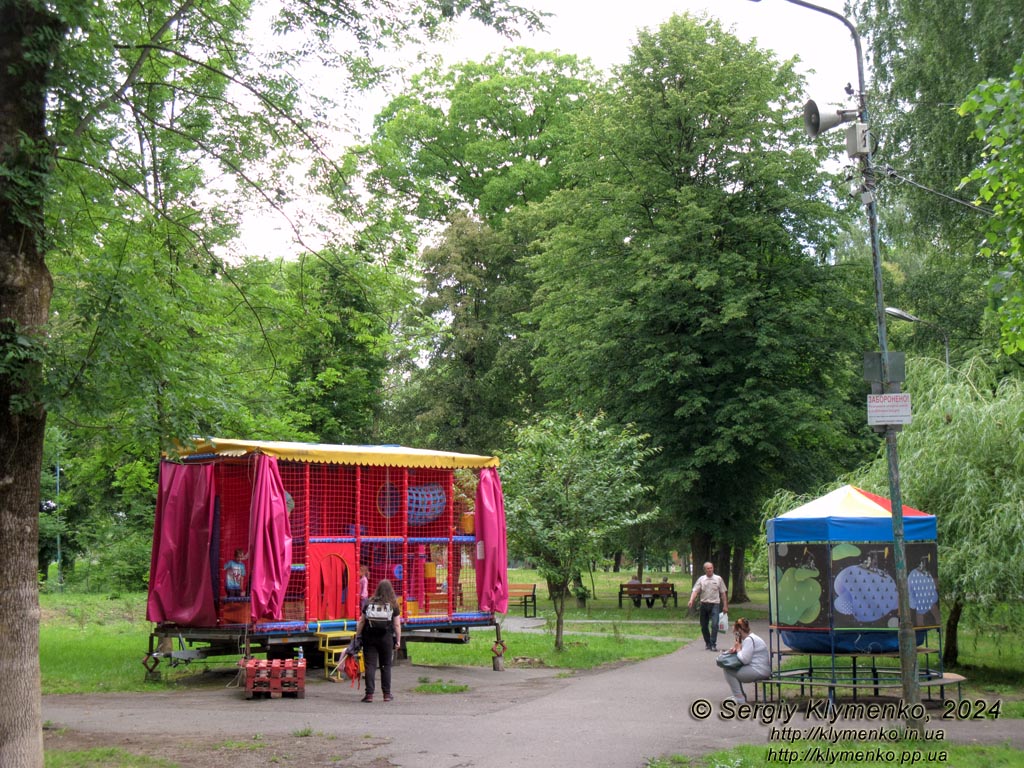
x=889 y=409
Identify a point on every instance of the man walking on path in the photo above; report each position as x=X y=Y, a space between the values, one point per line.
x=714 y=599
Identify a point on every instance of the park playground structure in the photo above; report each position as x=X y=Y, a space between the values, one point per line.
x=306 y=517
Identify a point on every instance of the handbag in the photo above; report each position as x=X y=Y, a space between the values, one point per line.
x=723 y=622
x=729 y=660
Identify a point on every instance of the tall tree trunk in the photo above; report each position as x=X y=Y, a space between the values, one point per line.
x=721 y=561
x=617 y=562
x=739 y=576
x=700 y=546
x=951 y=645
x=25 y=289
x=577 y=582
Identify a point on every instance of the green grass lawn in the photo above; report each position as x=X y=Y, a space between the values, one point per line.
x=109 y=757
x=804 y=754
x=580 y=651
x=604 y=604
x=93 y=643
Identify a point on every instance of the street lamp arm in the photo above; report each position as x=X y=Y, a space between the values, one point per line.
x=902 y=314
x=856 y=44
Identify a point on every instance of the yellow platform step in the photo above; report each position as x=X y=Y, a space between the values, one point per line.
x=333 y=645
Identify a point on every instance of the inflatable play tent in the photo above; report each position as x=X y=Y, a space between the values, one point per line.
x=832 y=584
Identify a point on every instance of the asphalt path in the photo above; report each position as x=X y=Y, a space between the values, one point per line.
x=617 y=717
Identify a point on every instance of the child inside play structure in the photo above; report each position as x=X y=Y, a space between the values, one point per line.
x=234 y=575
x=364 y=587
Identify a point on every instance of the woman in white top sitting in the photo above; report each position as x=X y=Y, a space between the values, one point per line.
x=756 y=659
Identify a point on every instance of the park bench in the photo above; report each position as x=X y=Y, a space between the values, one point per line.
x=876 y=685
x=636 y=591
x=876 y=679
x=526 y=596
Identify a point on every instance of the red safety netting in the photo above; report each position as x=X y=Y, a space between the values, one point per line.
x=270 y=543
x=418 y=527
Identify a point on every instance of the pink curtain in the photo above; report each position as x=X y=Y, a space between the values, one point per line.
x=180 y=584
x=270 y=542
x=491 y=548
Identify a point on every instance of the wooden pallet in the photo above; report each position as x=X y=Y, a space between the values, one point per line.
x=274 y=679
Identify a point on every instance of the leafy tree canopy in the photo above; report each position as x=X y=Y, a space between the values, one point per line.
x=473 y=383
x=570 y=484
x=997 y=106
x=478 y=137
x=925 y=57
x=676 y=289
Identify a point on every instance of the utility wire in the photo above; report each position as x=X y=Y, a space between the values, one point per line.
x=891 y=173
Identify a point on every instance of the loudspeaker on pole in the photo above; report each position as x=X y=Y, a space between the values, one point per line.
x=817 y=122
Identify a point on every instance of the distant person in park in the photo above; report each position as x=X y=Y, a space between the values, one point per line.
x=234 y=578
x=664 y=592
x=636 y=597
x=364 y=587
x=381 y=638
x=752 y=651
x=714 y=599
x=650 y=598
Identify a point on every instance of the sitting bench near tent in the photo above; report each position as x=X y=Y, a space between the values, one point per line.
x=876 y=674
x=889 y=684
x=637 y=591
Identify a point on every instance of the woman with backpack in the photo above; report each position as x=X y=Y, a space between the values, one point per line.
x=380 y=628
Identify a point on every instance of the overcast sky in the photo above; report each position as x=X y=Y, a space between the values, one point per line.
x=604 y=31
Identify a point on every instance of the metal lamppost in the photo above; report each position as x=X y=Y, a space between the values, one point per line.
x=900 y=314
x=60 y=564
x=858 y=145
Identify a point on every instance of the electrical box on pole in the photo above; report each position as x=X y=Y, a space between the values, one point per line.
x=857 y=141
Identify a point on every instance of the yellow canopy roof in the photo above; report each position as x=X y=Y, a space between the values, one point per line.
x=369 y=455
